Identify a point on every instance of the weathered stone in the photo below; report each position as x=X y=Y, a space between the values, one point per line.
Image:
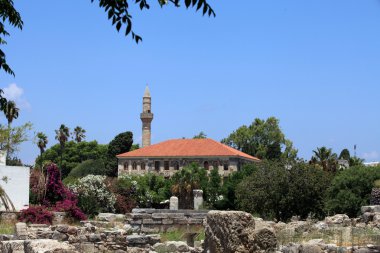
x=371 y=209
x=14 y=246
x=153 y=239
x=71 y=230
x=310 y=248
x=338 y=219
x=177 y=246
x=62 y=228
x=21 y=230
x=58 y=217
x=94 y=238
x=265 y=240
x=198 y=199
x=143 y=210
x=367 y=217
x=167 y=221
x=137 y=240
x=87 y=248
x=59 y=236
x=173 y=203
x=228 y=232
x=151 y=221
x=109 y=217
x=46 y=245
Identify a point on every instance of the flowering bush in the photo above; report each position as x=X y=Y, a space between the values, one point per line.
x=70 y=207
x=93 y=195
x=36 y=214
x=55 y=190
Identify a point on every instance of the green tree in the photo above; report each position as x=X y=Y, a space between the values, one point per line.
x=120 y=144
x=75 y=153
x=11 y=112
x=263 y=139
x=79 y=134
x=325 y=158
x=62 y=135
x=214 y=187
x=345 y=154
x=350 y=189
x=8 y=14
x=201 y=135
x=356 y=161
x=186 y=180
x=229 y=201
x=276 y=190
x=42 y=141
x=11 y=139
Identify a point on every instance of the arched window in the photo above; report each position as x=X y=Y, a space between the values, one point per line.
x=206 y=165
x=142 y=166
x=134 y=166
x=125 y=165
x=225 y=166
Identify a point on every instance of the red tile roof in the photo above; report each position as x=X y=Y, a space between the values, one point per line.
x=187 y=148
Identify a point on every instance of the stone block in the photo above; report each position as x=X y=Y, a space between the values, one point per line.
x=46 y=245
x=167 y=221
x=181 y=221
x=143 y=210
x=151 y=221
x=14 y=246
x=21 y=230
x=198 y=199
x=173 y=203
x=194 y=221
x=87 y=248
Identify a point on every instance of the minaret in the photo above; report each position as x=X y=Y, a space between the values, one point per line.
x=146 y=117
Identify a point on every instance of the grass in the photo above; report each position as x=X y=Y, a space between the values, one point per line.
x=180 y=235
x=7 y=228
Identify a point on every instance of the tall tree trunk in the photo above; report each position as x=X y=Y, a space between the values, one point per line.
x=8 y=142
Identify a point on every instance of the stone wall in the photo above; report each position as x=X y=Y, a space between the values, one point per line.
x=164 y=220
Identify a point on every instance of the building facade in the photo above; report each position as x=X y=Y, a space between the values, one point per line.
x=167 y=157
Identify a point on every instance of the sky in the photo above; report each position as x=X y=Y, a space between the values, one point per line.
x=312 y=64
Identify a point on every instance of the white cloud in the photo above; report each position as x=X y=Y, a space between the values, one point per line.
x=15 y=93
x=373 y=155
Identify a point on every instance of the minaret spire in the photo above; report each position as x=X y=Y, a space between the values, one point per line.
x=146 y=117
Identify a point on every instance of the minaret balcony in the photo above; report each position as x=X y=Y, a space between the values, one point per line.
x=146 y=115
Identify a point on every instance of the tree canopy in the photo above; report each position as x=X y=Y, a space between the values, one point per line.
x=263 y=139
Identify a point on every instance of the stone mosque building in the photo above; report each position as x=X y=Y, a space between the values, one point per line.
x=167 y=157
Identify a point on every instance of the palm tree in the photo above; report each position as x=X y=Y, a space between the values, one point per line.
x=79 y=134
x=62 y=135
x=42 y=142
x=325 y=158
x=11 y=112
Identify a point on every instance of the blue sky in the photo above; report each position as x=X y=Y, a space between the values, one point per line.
x=313 y=64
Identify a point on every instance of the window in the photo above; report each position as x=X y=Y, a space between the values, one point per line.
x=206 y=165
x=125 y=165
x=166 y=165
x=225 y=166
x=176 y=165
x=142 y=166
x=134 y=166
x=157 y=165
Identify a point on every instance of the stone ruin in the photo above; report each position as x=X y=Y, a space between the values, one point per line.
x=224 y=232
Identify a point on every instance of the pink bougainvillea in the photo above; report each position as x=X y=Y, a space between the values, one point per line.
x=57 y=198
x=37 y=215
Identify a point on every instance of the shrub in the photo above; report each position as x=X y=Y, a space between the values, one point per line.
x=93 y=195
x=274 y=191
x=36 y=186
x=351 y=189
x=88 y=167
x=36 y=215
x=71 y=208
x=55 y=190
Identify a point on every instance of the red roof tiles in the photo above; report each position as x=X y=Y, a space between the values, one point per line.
x=187 y=148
